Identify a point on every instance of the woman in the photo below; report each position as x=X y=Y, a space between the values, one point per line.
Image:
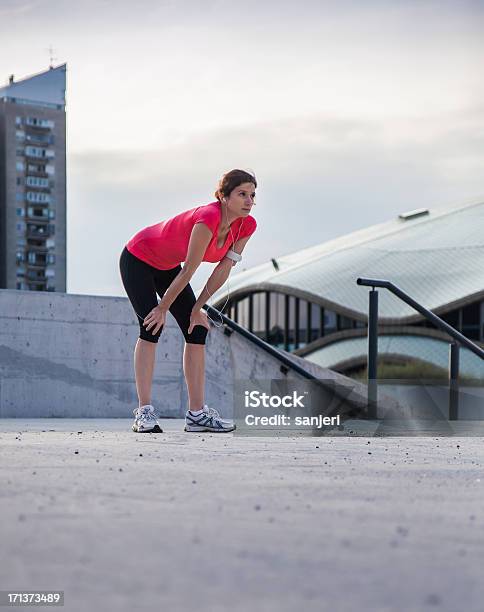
x=150 y=264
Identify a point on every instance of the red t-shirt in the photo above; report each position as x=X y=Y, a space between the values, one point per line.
x=165 y=245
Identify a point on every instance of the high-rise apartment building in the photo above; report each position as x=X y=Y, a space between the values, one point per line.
x=33 y=182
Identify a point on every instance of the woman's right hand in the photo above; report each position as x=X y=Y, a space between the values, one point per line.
x=155 y=319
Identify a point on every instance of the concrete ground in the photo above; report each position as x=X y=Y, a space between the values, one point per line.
x=174 y=521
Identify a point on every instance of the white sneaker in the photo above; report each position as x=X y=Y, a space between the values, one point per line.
x=208 y=420
x=145 y=420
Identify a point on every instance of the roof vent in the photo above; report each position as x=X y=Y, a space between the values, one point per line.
x=413 y=214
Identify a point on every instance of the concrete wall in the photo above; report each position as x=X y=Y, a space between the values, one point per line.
x=64 y=355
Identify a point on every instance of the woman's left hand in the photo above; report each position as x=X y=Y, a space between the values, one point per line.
x=198 y=317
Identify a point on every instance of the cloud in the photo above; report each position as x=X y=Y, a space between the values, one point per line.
x=18 y=8
x=349 y=112
x=318 y=178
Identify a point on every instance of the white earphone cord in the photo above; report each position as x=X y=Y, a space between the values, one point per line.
x=228 y=278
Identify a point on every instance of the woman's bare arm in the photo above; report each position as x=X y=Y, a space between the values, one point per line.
x=199 y=241
x=219 y=275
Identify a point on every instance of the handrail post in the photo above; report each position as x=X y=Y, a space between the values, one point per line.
x=372 y=353
x=453 y=381
x=458 y=340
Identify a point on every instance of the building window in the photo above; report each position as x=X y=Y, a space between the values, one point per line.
x=19 y=166
x=315 y=322
x=51 y=214
x=243 y=312
x=20 y=212
x=344 y=322
x=36 y=122
x=34 y=196
x=19 y=257
x=50 y=258
x=35 y=181
x=37 y=212
x=259 y=315
x=471 y=320
x=303 y=323
x=329 y=322
x=37 y=168
x=291 y=323
x=452 y=318
x=18 y=120
x=38 y=152
x=482 y=321
x=36 y=229
x=276 y=319
x=40 y=138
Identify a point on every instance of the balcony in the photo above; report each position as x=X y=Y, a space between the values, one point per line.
x=33 y=182
x=39 y=124
x=37 y=248
x=38 y=174
x=37 y=212
x=38 y=265
x=41 y=197
x=31 y=277
x=38 y=234
x=37 y=285
x=30 y=139
x=37 y=218
x=36 y=154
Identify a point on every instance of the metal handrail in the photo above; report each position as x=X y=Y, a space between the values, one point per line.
x=430 y=316
x=271 y=350
x=213 y=312
x=441 y=324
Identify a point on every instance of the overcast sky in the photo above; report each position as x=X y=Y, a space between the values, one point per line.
x=348 y=112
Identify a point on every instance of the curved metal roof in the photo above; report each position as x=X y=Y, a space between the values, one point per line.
x=437 y=258
x=431 y=350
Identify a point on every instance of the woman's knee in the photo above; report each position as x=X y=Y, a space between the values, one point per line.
x=148 y=336
x=198 y=335
x=151 y=341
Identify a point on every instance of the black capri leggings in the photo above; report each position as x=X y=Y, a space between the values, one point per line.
x=142 y=282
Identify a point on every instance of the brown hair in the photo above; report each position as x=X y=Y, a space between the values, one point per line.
x=231 y=180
